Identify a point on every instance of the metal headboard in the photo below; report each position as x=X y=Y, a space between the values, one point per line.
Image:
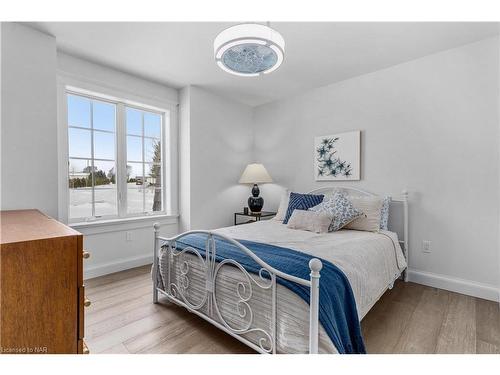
x=395 y=201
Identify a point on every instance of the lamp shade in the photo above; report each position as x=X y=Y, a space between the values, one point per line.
x=255 y=174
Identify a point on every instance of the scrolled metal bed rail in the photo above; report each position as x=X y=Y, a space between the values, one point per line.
x=208 y=307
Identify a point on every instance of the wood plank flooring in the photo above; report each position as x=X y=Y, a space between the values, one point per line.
x=410 y=318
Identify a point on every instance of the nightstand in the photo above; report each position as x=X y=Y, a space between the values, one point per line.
x=252 y=217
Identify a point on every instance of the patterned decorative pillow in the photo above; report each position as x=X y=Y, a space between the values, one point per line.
x=341 y=208
x=301 y=202
x=384 y=213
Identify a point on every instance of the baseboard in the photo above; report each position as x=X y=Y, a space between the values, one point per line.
x=121 y=265
x=470 y=288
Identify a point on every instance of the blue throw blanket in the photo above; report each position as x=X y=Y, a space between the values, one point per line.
x=337 y=307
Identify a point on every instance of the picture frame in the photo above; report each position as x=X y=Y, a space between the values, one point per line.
x=337 y=157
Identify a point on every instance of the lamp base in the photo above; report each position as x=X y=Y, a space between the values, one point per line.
x=255 y=203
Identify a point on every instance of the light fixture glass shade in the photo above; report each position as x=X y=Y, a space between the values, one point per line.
x=255 y=174
x=249 y=50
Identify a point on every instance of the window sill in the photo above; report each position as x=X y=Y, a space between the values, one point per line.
x=122 y=224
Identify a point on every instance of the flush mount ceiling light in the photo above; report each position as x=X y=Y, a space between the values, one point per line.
x=249 y=50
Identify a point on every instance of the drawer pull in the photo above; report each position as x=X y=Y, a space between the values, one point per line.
x=86 y=302
x=86 y=255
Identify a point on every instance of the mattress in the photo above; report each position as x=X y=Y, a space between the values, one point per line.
x=371 y=262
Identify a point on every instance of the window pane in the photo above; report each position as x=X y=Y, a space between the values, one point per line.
x=104 y=145
x=78 y=111
x=79 y=143
x=80 y=188
x=134 y=121
x=153 y=187
x=153 y=174
x=80 y=167
x=80 y=206
x=134 y=170
x=135 y=186
x=103 y=116
x=105 y=188
x=152 y=125
x=152 y=150
x=134 y=148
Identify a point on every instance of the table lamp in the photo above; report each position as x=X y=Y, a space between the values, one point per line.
x=255 y=174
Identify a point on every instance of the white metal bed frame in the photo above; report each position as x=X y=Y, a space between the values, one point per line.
x=265 y=279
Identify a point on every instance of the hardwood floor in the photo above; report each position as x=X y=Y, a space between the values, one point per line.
x=413 y=318
x=410 y=318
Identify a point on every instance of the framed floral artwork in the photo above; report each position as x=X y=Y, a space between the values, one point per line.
x=337 y=157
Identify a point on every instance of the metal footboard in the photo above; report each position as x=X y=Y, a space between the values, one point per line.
x=208 y=307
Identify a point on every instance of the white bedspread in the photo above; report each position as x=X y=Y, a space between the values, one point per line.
x=371 y=261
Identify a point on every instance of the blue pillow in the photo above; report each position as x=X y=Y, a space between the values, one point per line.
x=301 y=202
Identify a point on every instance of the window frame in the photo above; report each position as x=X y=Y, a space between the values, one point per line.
x=168 y=137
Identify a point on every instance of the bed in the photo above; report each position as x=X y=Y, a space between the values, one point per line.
x=254 y=306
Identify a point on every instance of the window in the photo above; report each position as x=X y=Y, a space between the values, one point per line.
x=104 y=179
x=143 y=161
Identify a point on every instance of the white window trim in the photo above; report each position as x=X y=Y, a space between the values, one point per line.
x=123 y=224
x=169 y=150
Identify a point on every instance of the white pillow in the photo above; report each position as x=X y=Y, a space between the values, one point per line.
x=285 y=198
x=317 y=222
x=371 y=207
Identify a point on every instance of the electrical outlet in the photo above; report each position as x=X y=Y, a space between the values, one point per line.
x=128 y=236
x=426 y=246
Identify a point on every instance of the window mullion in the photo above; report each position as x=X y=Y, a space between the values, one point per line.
x=143 y=168
x=121 y=160
x=92 y=155
x=163 y=147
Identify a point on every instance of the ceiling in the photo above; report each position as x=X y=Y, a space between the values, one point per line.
x=316 y=53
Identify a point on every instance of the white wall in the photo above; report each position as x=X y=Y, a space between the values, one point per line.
x=218 y=148
x=29 y=120
x=429 y=126
x=184 y=159
x=114 y=80
x=110 y=249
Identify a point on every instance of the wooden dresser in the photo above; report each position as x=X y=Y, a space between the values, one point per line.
x=41 y=285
